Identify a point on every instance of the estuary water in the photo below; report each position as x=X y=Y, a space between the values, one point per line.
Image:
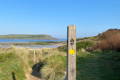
x=26 y=40
x=8 y=43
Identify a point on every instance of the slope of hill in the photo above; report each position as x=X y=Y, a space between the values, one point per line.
x=93 y=65
x=22 y=36
x=108 y=33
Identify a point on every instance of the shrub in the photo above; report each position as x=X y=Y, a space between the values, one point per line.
x=108 y=33
x=110 y=43
x=62 y=48
x=84 y=44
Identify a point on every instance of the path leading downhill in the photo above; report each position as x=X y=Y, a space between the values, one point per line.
x=30 y=77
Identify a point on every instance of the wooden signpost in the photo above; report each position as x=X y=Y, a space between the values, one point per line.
x=71 y=53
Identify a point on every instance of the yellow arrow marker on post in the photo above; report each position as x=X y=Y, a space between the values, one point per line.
x=71 y=51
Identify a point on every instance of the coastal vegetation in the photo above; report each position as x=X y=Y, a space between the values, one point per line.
x=21 y=61
x=96 y=60
x=34 y=43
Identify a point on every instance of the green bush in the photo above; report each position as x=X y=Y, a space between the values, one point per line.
x=84 y=44
x=62 y=48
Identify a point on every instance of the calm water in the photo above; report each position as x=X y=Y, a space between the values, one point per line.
x=27 y=40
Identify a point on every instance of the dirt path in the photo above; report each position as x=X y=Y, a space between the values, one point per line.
x=30 y=77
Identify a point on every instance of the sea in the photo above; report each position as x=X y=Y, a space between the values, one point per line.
x=26 y=41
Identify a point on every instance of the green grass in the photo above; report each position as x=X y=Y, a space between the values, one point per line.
x=94 y=38
x=20 y=60
x=56 y=66
x=84 y=44
x=79 y=45
x=34 y=43
x=46 y=43
x=98 y=66
x=10 y=63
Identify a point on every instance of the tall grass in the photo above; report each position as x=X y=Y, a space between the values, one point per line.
x=21 y=61
x=96 y=65
x=9 y=63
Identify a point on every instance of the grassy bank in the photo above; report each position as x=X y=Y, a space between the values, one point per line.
x=34 y=43
x=21 y=62
x=96 y=65
x=10 y=62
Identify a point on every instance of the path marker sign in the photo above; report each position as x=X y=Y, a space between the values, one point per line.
x=71 y=52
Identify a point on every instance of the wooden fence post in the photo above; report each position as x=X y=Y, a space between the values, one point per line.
x=34 y=57
x=71 y=52
x=13 y=76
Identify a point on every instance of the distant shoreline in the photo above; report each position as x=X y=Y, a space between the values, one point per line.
x=27 y=36
x=29 y=40
x=31 y=43
x=29 y=46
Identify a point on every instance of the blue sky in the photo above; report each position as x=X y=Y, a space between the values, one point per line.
x=52 y=16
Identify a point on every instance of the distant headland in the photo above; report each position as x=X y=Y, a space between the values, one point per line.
x=27 y=36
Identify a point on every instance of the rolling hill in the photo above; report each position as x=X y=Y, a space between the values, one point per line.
x=24 y=36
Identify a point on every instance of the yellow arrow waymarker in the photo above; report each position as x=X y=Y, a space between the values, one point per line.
x=72 y=52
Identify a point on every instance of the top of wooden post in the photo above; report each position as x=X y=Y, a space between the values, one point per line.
x=72 y=25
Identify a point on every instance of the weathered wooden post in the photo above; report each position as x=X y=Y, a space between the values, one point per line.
x=13 y=76
x=34 y=56
x=71 y=53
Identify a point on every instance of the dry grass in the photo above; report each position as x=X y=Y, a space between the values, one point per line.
x=54 y=60
x=110 y=43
